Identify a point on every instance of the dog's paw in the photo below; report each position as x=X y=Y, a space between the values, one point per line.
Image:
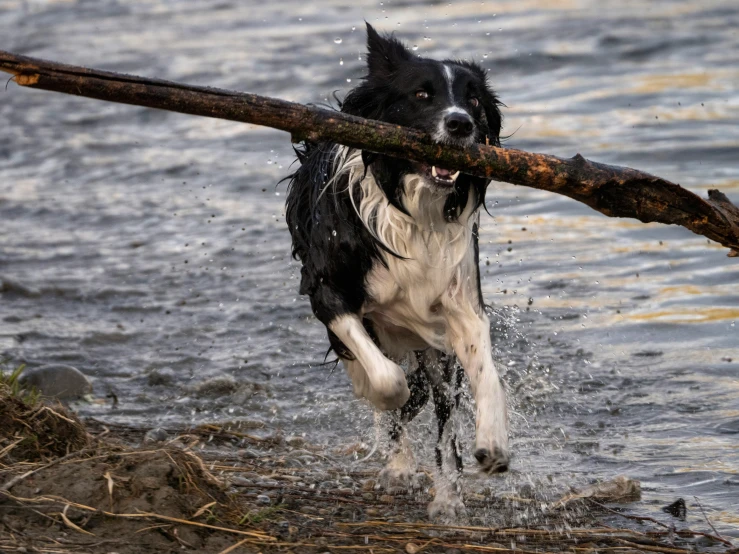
x=389 y=389
x=447 y=508
x=495 y=461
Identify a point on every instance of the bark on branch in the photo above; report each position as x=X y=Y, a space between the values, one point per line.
x=612 y=190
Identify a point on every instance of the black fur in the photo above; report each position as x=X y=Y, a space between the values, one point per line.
x=336 y=250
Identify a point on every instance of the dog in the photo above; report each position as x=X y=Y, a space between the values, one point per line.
x=390 y=260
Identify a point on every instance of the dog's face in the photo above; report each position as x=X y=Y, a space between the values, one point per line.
x=449 y=100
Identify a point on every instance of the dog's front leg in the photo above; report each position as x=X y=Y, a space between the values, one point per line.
x=469 y=331
x=383 y=382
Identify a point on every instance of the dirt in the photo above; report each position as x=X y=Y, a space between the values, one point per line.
x=30 y=431
x=219 y=489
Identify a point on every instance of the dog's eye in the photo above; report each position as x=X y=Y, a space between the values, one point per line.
x=475 y=102
x=422 y=95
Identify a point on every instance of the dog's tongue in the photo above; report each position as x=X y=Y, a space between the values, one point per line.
x=443 y=173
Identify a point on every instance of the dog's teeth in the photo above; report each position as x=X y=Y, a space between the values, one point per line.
x=455 y=175
x=433 y=170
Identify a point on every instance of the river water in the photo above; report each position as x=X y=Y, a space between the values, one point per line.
x=149 y=249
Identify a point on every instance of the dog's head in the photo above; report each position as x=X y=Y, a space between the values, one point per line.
x=449 y=100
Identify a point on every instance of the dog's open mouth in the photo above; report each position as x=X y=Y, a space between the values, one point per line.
x=440 y=176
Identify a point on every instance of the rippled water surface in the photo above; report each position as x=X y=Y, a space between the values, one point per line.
x=149 y=249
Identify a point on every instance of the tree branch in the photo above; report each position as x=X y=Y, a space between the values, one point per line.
x=612 y=190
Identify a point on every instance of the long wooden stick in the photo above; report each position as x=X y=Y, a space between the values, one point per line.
x=612 y=190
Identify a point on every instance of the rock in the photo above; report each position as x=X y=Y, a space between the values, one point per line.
x=295 y=441
x=369 y=485
x=222 y=385
x=263 y=499
x=619 y=489
x=155 y=435
x=225 y=385
x=10 y=287
x=58 y=381
x=163 y=376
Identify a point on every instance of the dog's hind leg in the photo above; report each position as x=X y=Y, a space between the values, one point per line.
x=446 y=377
x=383 y=382
x=400 y=470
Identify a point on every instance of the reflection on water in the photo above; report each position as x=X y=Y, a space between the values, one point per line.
x=149 y=249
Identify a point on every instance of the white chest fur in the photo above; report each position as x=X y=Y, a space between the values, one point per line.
x=438 y=263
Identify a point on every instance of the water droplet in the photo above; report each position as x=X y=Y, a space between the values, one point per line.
x=348 y=80
x=341 y=61
x=269 y=162
x=333 y=232
x=415 y=47
x=354 y=28
x=484 y=55
x=338 y=40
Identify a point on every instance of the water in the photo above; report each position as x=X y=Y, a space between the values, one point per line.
x=139 y=243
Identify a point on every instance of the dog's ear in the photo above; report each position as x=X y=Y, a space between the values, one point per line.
x=384 y=53
x=493 y=117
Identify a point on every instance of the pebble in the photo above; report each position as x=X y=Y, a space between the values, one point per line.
x=308 y=510
x=368 y=496
x=63 y=382
x=345 y=491
x=368 y=485
x=238 y=480
x=263 y=499
x=221 y=385
x=161 y=376
x=386 y=498
x=295 y=441
x=155 y=435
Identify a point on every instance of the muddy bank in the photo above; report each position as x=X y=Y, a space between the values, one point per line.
x=220 y=488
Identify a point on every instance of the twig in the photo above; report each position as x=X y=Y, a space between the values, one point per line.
x=234 y=546
x=652 y=520
x=142 y=515
x=15 y=480
x=718 y=535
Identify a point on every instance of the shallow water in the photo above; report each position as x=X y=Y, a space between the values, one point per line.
x=149 y=249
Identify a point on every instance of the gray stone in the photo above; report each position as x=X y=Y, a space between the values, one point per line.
x=263 y=499
x=58 y=381
x=155 y=435
x=163 y=376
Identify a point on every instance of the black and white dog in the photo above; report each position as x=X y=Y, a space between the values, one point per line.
x=389 y=254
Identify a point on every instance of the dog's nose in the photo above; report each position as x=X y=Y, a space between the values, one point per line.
x=458 y=124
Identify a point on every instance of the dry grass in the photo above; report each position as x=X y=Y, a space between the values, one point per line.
x=111 y=497
x=33 y=430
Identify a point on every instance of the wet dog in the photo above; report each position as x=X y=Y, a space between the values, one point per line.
x=390 y=260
